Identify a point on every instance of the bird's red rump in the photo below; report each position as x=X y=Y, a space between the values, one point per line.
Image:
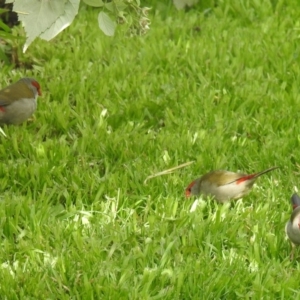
x=295 y=206
x=2 y=108
x=245 y=178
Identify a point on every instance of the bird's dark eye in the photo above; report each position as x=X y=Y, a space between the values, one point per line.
x=189 y=189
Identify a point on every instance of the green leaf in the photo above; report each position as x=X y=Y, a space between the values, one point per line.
x=110 y=6
x=120 y=5
x=106 y=24
x=94 y=3
x=44 y=18
x=180 y=4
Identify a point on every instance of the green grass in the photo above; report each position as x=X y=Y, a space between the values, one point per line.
x=76 y=219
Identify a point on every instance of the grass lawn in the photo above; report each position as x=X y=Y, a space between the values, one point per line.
x=221 y=89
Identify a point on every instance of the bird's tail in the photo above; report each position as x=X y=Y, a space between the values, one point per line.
x=253 y=176
x=264 y=172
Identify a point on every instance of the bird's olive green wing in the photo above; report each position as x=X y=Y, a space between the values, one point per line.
x=222 y=177
x=14 y=92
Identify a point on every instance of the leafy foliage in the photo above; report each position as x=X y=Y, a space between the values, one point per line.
x=46 y=19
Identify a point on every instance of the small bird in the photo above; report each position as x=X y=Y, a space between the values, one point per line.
x=224 y=185
x=18 y=101
x=292 y=227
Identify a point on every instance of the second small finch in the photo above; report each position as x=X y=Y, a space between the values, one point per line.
x=224 y=185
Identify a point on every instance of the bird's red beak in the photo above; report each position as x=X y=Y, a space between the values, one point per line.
x=187 y=193
x=188 y=190
x=37 y=86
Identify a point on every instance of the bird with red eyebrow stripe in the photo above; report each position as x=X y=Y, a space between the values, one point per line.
x=292 y=227
x=18 y=101
x=224 y=185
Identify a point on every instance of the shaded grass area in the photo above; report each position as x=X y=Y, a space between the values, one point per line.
x=221 y=89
